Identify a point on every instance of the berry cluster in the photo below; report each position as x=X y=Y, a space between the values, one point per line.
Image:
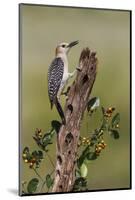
x=38 y=133
x=30 y=161
x=98 y=147
x=109 y=111
x=33 y=158
x=84 y=141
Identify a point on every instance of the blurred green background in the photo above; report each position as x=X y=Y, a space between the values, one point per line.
x=108 y=33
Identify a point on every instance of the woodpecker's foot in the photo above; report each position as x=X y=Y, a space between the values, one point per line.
x=72 y=74
x=78 y=69
x=66 y=98
x=66 y=93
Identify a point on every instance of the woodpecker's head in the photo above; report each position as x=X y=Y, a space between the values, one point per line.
x=63 y=48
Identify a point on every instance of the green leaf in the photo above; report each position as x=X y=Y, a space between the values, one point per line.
x=83 y=170
x=93 y=103
x=80 y=182
x=34 y=153
x=114 y=133
x=91 y=156
x=40 y=154
x=26 y=150
x=49 y=181
x=37 y=154
x=46 y=140
x=115 y=120
x=26 y=154
x=32 y=185
x=56 y=125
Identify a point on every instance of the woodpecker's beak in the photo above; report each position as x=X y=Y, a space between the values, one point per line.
x=73 y=44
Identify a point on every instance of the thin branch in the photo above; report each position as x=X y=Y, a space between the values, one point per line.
x=50 y=159
x=38 y=174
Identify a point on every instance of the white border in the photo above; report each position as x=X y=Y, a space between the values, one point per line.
x=9 y=96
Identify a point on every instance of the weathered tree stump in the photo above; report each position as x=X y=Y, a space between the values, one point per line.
x=68 y=136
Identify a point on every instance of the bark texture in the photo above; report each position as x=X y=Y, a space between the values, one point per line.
x=68 y=136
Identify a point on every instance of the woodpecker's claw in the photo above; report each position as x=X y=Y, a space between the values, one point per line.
x=66 y=92
x=78 y=69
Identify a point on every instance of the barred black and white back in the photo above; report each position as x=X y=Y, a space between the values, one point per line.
x=55 y=75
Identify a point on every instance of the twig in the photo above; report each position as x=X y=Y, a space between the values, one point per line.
x=38 y=174
x=50 y=159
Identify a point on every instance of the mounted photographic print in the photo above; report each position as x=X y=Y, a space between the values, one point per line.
x=75 y=99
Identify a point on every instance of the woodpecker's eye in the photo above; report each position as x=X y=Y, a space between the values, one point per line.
x=63 y=45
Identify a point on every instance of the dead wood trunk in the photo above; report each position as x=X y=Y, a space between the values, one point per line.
x=67 y=138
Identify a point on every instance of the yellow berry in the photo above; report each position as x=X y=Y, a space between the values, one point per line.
x=99 y=148
x=98 y=151
x=102 y=141
x=100 y=145
x=26 y=161
x=40 y=134
x=24 y=182
x=24 y=155
x=31 y=165
x=103 y=146
x=117 y=125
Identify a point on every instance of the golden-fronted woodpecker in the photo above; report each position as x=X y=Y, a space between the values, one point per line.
x=58 y=76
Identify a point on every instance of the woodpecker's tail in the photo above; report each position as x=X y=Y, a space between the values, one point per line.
x=60 y=111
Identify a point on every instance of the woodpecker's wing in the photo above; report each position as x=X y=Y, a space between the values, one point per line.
x=55 y=75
